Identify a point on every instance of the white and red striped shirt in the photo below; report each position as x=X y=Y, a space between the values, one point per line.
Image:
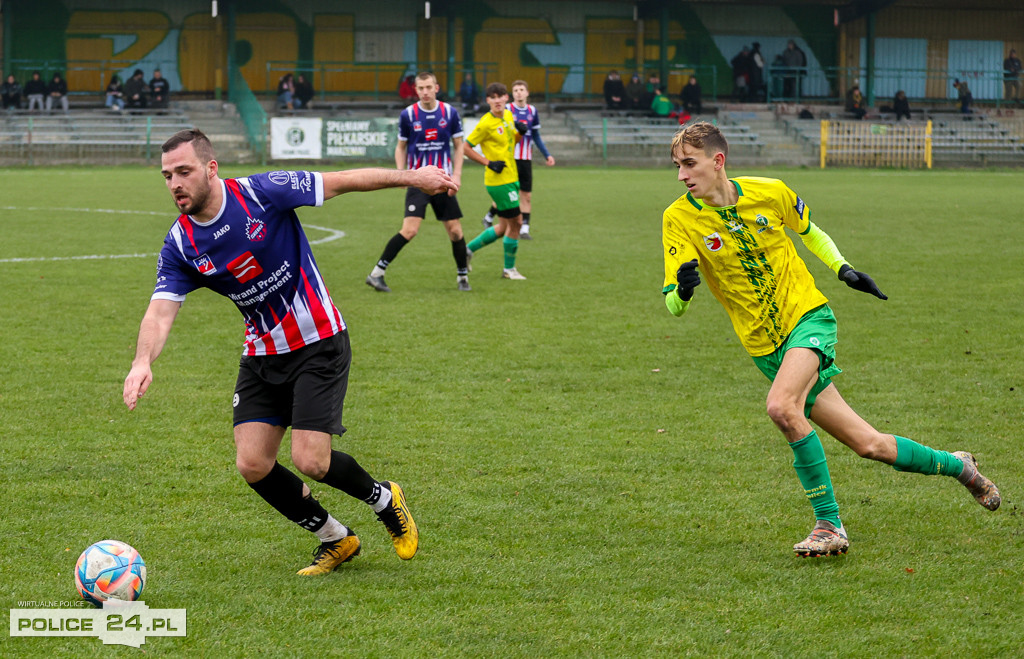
x=429 y=134
x=255 y=253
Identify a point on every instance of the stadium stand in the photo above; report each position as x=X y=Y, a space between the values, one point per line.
x=638 y=134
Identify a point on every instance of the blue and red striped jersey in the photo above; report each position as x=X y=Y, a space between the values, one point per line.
x=255 y=253
x=527 y=115
x=429 y=135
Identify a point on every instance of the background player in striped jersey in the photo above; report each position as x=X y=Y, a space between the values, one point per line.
x=734 y=231
x=242 y=239
x=497 y=133
x=425 y=130
x=525 y=113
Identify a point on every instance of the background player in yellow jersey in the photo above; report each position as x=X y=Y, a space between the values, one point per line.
x=733 y=231
x=497 y=133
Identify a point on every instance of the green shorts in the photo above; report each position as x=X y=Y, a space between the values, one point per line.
x=506 y=197
x=816 y=330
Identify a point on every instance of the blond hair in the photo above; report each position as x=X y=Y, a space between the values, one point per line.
x=701 y=135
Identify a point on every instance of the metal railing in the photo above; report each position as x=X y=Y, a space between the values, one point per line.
x=374 y=80
x=586 y=81
x=84 y=77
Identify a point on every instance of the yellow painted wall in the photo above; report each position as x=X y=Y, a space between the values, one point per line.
x=86 y=43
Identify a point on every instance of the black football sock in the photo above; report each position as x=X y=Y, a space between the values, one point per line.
x=391 y=250
x=282 y=489
x=526 y=220
x=459 y=252
x=345 y=474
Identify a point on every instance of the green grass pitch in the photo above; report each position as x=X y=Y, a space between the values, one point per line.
x=590 y=475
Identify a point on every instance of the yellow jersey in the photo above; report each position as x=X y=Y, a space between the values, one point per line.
x=746 y=259
x=497 y=140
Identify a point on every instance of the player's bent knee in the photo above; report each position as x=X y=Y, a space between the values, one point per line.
x=311 y=465
x=784 y=414
x=253 y=469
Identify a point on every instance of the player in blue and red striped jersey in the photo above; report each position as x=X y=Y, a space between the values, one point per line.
x=242 y=239
x=429 y=133
x=523 y=112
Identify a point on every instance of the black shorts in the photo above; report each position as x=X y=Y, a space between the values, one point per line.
x=304 y=389
x=445 y=207
x=525 y=168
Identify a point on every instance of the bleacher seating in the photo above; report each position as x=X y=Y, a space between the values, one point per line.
x=974 y=138
x=644 y=133
x=127 y=135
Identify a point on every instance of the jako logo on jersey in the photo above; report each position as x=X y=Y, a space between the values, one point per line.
x=430 y=134
x=205 y=265
x=714 y=242
x=799 y=207
x=245 y=267
x=255 y=230
x=220 y=232
x=279 y=177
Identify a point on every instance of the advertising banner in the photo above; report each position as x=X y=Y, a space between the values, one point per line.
x=292 y=137
x=361 y=139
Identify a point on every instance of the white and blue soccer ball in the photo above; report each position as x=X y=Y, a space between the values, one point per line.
x=110 y=570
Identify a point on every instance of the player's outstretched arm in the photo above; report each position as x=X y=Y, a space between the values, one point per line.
x=430 y=179
x=153 y=333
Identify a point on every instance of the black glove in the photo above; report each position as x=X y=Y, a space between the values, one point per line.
x=687 y=279
x=860 y=281
x=495 y=166
x=522 y=127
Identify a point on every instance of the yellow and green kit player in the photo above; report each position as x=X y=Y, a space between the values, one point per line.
x=496 y=134
x=733 y=231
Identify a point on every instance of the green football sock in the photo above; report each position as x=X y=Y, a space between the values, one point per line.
x=511 y=246
x=812 y=470
x=911 y=456
x=485 y=238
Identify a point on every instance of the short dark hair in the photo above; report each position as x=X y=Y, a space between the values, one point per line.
x=423 y=75
x=496 y=89
x=199 y=141
x=701 y=135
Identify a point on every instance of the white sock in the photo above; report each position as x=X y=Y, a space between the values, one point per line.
x=332 y=530
x=384 y=500
x=377 y=271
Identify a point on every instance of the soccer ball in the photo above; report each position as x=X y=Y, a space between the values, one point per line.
x=110 y=570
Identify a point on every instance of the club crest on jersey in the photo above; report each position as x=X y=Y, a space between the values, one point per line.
x=442 y=122
x=761 y=220
x=204 y=264
x=713 y=242
x=245 y=267
x=255 y=229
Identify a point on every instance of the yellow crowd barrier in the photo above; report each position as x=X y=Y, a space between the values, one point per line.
x=866 y=144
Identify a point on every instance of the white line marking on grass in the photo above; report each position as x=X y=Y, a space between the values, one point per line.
x=332 y=234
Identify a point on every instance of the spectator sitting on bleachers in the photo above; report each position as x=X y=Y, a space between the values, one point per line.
x=114 y=94
x=159 y=90
x=661 y=106
x=469 y=94
x=135 y=90
x=303 y=92
x=635 y=91
x=690 y=96
x=855 y=102
x=35 y=91
x=407 y=90
x=11 y=93
x=901 y=105
x=653 y=85
x=57 y=92
x=614 y=92
x=286 y=92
